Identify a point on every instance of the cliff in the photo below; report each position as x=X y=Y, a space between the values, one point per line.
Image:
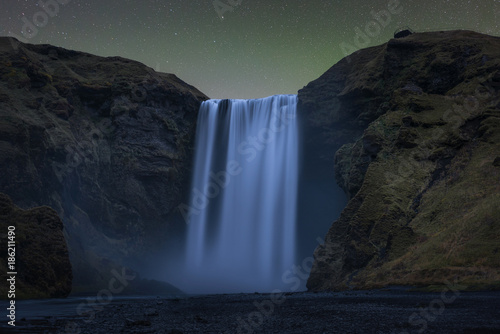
x=411 y=129
x=106 y=142
x=40 y=252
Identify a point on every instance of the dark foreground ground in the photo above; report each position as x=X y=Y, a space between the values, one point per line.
x=395 y=311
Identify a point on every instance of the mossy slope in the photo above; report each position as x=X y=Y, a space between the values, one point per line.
x=419 y=121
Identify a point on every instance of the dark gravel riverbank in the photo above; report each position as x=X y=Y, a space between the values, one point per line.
x=395 y=311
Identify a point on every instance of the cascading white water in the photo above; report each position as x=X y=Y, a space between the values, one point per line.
x=241 y=234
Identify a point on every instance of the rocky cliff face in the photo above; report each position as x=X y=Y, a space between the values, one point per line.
x=106 y=142
x=412 y=129
x=40 y=252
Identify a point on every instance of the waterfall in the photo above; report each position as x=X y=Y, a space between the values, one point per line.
x=242 y=215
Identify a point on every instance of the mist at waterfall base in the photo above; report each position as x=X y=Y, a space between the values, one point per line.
x=244 y=229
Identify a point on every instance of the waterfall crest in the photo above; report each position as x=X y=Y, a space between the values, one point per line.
x=242 y=215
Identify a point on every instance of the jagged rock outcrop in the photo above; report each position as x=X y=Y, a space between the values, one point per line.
x=40 y=252
x=413 y=130
x=106 y=142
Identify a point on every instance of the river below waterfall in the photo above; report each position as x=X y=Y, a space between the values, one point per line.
x=377 y=311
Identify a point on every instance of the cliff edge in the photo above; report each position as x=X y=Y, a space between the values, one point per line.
x=105 y=141
x=412 y=129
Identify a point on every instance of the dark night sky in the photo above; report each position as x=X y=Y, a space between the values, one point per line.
x=260 y=48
